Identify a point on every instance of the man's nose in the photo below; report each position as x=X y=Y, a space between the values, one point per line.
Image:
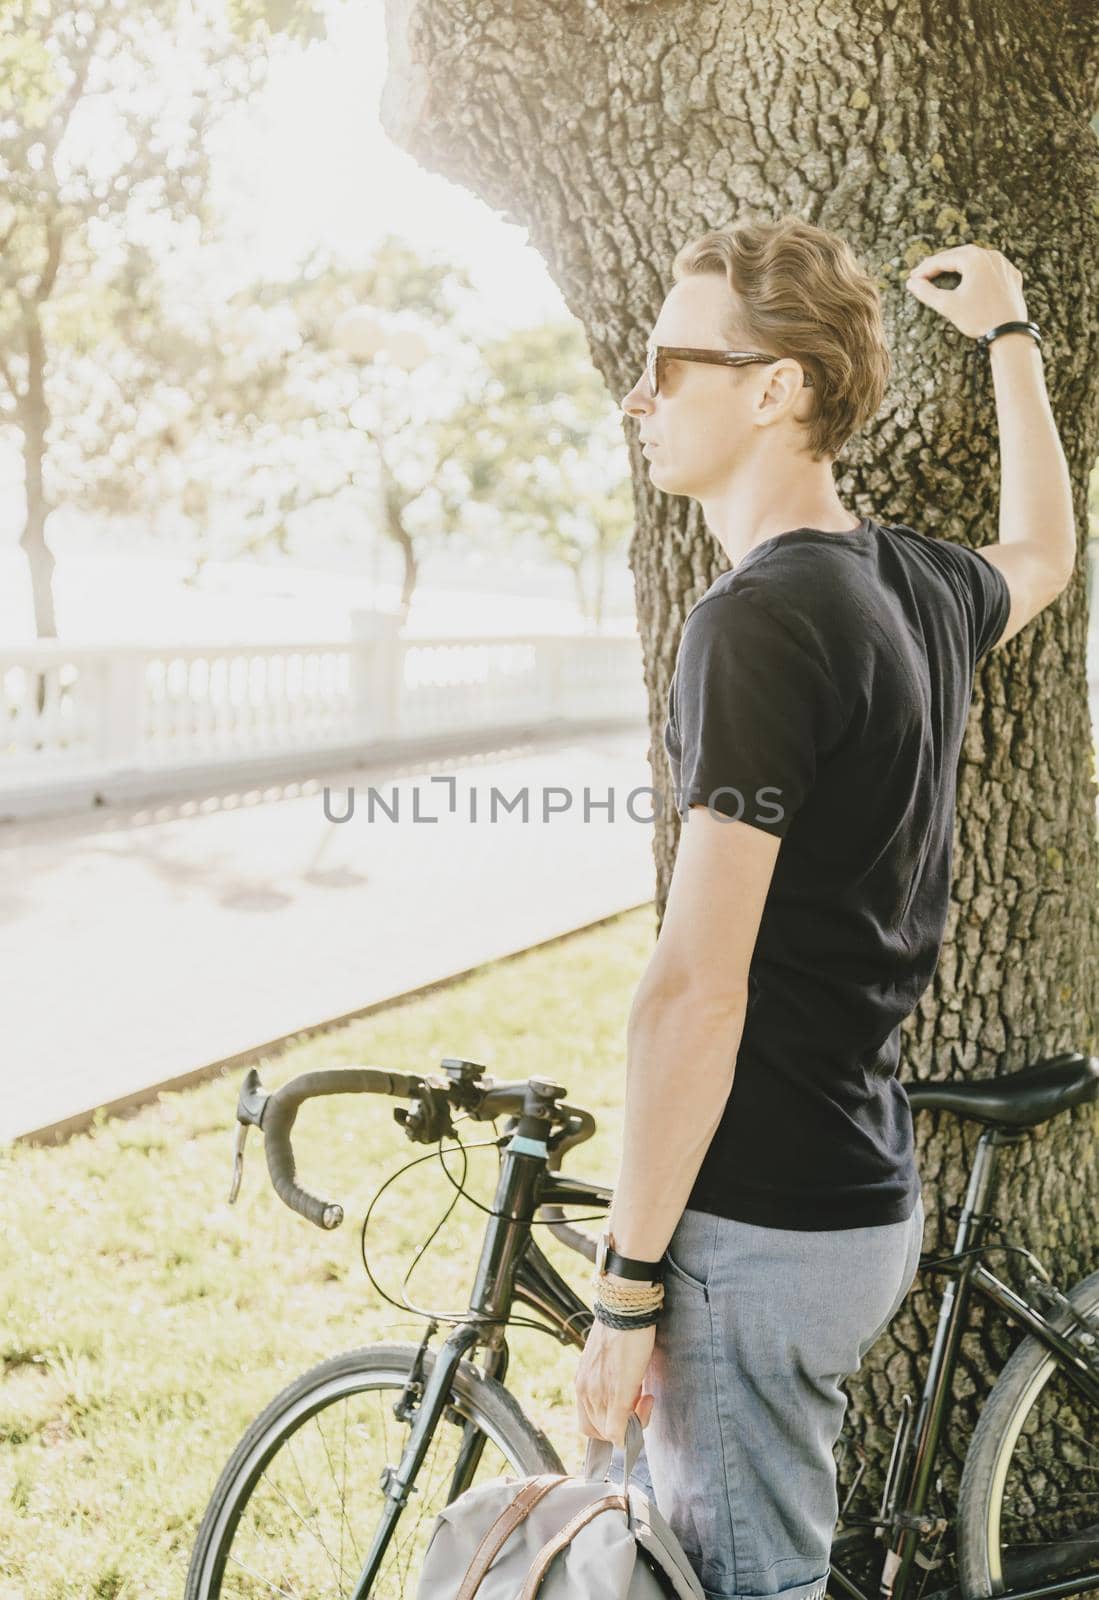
x=636 y=401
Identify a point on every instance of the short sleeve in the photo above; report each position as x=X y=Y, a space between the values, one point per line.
x=753 y=708
x=985 y=591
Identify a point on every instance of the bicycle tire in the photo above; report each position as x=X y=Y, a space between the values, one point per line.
x=1014 y=1395
x=476 y=1397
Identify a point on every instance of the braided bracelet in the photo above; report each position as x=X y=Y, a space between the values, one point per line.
x=627 y=1296
x=615 y=1319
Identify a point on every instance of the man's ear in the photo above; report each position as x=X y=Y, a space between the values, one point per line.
x=781 y=384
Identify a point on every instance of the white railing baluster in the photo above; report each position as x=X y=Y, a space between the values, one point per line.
x=163 y=710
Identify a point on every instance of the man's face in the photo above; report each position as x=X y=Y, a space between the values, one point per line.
x=699 y=425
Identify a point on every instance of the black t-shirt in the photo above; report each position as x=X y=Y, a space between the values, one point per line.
x=822 y=690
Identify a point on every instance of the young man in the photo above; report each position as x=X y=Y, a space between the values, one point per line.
x=815 y=726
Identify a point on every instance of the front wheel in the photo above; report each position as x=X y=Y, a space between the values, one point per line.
x=1028 y=1503
x=295 y=1510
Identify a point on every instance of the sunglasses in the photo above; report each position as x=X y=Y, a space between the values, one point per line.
x=657 y=353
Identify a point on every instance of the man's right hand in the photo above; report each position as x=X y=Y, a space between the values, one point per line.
x=990 y=291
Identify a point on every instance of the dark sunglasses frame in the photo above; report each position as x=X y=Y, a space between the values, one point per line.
x=656 y=354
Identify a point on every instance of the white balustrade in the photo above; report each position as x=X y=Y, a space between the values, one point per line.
x=75 y=719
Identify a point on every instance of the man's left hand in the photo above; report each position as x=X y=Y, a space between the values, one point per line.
x=609 y=1378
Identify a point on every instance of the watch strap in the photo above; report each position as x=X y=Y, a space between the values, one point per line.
x=630 y=1267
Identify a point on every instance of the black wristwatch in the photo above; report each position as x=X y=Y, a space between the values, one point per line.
x=607 y=1259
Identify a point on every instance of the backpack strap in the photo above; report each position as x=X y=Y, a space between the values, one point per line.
x=498 y=1532
x=564 y=1536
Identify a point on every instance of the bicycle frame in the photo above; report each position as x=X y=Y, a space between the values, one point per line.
x=910 y=1476
x=512 y=1267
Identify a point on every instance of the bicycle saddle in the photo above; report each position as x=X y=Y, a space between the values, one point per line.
x=1020 y=1099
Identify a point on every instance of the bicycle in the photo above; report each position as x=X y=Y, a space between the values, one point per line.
x=346 y=1525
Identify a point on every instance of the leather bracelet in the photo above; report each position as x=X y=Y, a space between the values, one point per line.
x=984 y=340
x=617 y=1319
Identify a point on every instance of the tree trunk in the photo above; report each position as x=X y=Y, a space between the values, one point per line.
x=396 y=530
x=614 y=132
x=34 y=418
x=600 y=581
x=577 y=570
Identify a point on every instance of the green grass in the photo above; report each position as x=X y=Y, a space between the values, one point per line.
x=144 y=1322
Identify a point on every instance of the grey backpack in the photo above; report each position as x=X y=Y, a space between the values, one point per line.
x=557 y=1537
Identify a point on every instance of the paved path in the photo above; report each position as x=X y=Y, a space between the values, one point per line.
x=141 y=944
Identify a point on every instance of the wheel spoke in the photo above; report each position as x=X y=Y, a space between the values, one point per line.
x=273 y=1587
x=1047 y=1512
x=1071 y=1433
x=296 y=1520
x=271 y=1559
x=343 y=1498
x=307 y=1525
x=332 y=1474
x=310 y=1497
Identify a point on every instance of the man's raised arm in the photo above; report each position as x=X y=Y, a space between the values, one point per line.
x=1036 y=551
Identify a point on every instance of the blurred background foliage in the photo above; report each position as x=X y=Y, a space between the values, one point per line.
x=132 y=385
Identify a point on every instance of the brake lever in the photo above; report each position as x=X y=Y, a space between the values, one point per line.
x=238 y=1161
x=251 y=1101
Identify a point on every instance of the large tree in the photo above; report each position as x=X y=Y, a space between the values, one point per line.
x=614 y=131
x=99 y=177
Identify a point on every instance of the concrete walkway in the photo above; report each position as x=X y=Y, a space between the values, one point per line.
x=141 y=945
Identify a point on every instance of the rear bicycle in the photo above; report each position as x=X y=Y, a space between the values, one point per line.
x=1026 y=1522
x=1028 y=1503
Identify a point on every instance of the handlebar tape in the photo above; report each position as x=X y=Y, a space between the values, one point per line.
x=277 y=1121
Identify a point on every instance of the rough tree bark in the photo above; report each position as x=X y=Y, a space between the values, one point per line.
x=615 y=130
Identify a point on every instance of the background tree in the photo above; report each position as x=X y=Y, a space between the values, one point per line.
x=545 y=449
x=377 y=372
x=182 y=447
x=614 y=132
x=354 y=391
x=106 y=112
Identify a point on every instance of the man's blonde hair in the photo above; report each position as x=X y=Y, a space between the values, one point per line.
x=800 y=292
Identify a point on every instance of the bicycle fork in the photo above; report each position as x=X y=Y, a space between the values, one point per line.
x=399 y=1482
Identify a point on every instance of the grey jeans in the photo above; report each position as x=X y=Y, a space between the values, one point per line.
x=760 y=1326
